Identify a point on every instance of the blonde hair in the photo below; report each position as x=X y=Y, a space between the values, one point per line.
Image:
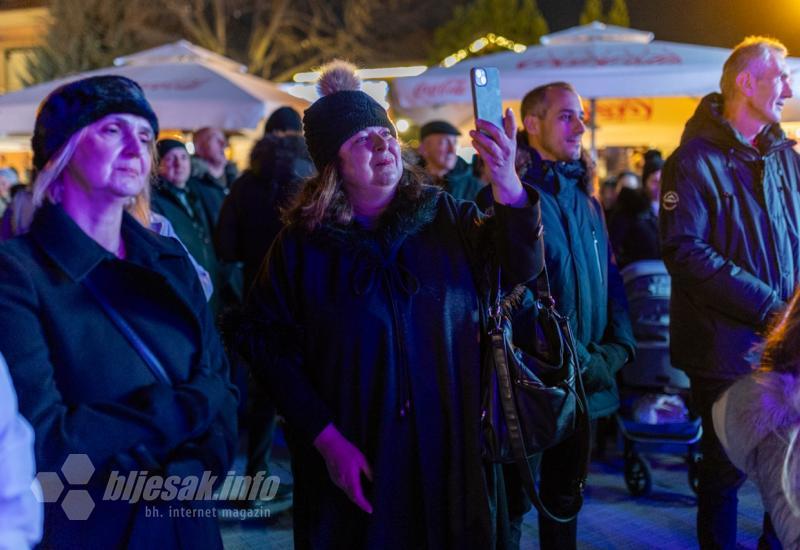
x=789 y=472
x=748 y=50
x=48 y=182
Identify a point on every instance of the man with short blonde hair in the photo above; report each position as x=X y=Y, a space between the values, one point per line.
x=751 y=49
x=730 y=237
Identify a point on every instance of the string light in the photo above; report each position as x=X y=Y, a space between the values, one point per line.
x=481 y=43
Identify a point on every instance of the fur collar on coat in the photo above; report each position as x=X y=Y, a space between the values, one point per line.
x=757 y=405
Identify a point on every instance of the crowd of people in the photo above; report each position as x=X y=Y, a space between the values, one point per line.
x=349 y=281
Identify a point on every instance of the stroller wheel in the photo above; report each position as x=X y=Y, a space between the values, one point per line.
x=693 y=460
x=638 y=476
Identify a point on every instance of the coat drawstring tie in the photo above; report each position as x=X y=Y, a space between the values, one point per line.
x=369 y=269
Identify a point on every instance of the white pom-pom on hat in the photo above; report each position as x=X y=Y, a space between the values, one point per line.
x=337 y=76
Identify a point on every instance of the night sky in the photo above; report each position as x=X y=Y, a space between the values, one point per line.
x=712 y=22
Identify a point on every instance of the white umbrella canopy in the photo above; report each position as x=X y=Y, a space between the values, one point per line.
x=600 y=61
x=188 y=87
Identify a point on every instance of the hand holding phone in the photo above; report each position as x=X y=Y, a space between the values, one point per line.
x=495 y=137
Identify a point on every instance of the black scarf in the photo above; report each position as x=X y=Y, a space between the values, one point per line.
x=549 y=174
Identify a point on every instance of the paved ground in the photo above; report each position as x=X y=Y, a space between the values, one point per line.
x=611 y=517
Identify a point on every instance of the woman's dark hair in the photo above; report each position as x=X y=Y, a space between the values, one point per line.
x=323 y=198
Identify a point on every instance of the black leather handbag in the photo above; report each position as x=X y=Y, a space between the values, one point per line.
x=532 y=401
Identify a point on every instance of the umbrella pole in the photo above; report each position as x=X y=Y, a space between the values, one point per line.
x=593 y=128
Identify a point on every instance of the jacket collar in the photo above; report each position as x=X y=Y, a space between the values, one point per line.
x=778 y=404
x=77 y=254
x=707 y=122
x=407 y=215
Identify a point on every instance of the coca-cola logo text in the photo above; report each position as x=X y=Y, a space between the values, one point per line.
x=447 y=88
x=176 y=85
x=593 y=59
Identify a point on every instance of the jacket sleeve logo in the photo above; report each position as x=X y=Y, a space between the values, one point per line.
x=670 y=201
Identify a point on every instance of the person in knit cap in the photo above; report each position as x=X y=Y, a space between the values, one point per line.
x=364 y=322
x=108 y=339
x=250 y=216
x=175 y=196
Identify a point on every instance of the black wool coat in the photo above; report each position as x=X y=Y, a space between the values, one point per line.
x=378 y=332
x=85 y=389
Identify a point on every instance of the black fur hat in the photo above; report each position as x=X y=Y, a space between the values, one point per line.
x=342 y=111
x=77 y=104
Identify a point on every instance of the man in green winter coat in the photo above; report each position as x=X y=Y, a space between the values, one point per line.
x=438 y=143
x=584 y=279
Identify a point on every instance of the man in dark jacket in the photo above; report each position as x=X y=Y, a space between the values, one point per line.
x=248 y=223
x=438 y=143
x=175 y=197
x=584 y=279
x=212 y=176
x=730 y=232
x=211 y=169
x=250 y=217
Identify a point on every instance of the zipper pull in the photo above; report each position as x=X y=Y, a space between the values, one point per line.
x=597 y=257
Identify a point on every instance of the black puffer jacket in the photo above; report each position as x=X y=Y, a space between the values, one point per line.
x=730 y=237
x=250 y=216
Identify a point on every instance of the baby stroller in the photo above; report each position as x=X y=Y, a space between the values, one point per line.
x=651 y=382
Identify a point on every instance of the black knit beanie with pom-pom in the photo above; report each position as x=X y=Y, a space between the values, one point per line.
x=341 y=111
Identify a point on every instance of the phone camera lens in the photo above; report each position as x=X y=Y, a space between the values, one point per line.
x=480 y=77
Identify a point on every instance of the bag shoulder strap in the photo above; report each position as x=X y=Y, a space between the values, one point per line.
x=130 y=335
x=512 y=419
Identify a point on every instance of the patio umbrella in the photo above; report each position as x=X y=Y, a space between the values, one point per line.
x=189 y=87
x=601 y=61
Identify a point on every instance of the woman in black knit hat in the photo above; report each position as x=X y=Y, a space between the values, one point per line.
x=365 y=324
x=107 y=335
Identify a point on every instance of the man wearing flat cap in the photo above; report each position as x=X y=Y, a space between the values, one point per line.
x=438 y=142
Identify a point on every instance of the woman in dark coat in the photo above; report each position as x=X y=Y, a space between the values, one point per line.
x=366 y=326
x=83 y=385
x=633 y=224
